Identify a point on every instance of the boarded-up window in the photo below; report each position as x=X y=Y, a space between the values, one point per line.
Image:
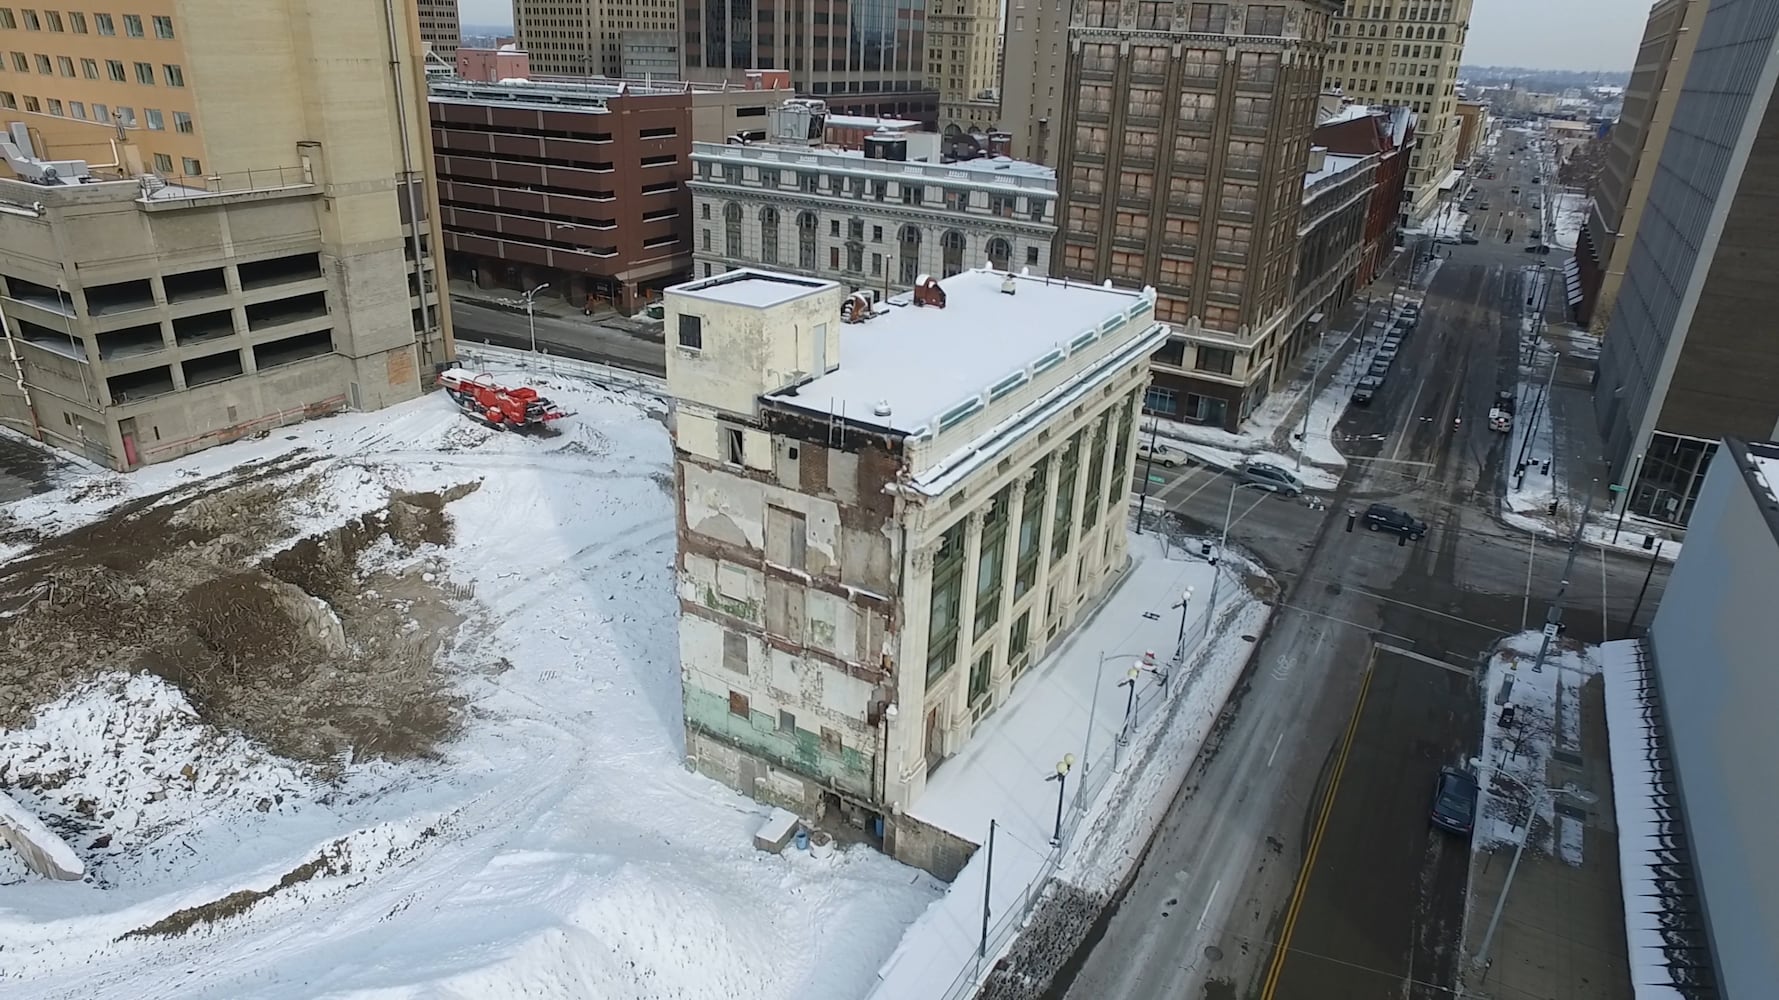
x=786 y=538
x=735 y=652
x=830 y=741
x=738 y=704
x=784 y=610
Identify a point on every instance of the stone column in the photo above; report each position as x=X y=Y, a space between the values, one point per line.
x=1001 y=683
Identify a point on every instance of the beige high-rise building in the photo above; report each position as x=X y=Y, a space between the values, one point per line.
x=1603 y=249
x=1405 y=53
x=182 y=265
x=1184 y=135
x=1034 y=56
x=438 y=26
x=961 y=59
x=585 y=37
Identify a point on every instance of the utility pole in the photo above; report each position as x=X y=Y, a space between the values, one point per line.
x=1553 y=621
x=1303 y=439
x=1631 y=625
x=1148 y=470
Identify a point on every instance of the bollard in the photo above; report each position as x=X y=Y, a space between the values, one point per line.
x=1401 y=539
x=1352 y=519
x=1546 y=469
x=1553 y=507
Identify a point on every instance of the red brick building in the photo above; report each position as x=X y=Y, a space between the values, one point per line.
x=578 y=186
x=1356 y=130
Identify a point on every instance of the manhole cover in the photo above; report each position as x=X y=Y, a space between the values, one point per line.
x=1213 y=953
x=1247 y=638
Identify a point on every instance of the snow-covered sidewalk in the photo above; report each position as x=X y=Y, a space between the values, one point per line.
x=1070 y=705
x=1515 y=758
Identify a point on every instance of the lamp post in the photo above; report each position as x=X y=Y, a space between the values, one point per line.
x=1180 y=644
x=1061 y=777
x=531 y=321
x=1538 y=797
x=1303 y=439
x=1129 y=683
x=1222 y=546
x=1148 y=470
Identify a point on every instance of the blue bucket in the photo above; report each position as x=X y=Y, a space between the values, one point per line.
x=801 y=838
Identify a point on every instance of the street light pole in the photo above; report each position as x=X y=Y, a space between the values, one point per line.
x=1148 y=470
x=1554 y=619
x=1482 y=953
x=530 y=320
x=1180 y=644
x=1130 y=703
x=1061 y=777
x=1303 y=439
x=1223 y=545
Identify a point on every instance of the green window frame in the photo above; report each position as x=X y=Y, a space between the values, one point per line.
x=945 y=603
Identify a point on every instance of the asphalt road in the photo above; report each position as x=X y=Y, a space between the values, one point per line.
x=612 y=341
x=1361 y=690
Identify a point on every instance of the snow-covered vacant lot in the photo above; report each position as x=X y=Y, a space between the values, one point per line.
x=388 y=705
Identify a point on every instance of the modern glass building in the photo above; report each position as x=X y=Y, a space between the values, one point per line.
x=1691 y=353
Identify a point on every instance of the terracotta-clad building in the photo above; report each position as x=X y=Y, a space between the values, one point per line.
x=1356 y=130
x=578 y=186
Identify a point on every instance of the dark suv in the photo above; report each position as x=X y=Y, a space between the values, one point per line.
x=1383 y=517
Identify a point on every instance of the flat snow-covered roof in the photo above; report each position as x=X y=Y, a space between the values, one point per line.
x=745 y=287
x=923 y=360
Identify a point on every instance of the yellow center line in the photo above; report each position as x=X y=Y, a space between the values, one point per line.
x=1277 y=968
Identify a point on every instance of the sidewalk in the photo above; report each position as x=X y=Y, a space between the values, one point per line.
x=1070 y=705
x=547 y=302
x=1561 y=933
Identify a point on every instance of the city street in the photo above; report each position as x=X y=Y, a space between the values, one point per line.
x=1298 y=862
x=605 y=338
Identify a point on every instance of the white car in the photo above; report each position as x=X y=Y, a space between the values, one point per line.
x=1162 y=455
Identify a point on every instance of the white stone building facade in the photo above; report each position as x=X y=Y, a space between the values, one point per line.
x=866 y=223
x=859 y=592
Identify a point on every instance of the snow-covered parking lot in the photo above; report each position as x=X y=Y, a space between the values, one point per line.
x=388 y=705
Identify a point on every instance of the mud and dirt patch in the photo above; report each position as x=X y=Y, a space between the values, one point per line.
x=234 y=904
x=307 y=651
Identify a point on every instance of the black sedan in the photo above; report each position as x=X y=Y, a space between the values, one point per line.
x=1454 y=801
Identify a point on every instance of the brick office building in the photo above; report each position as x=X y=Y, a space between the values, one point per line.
x=1389 y=133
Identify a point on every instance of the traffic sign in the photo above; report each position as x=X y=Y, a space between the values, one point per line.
x=1616 y=488
x=1158 y=479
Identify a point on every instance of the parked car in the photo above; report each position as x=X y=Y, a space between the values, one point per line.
x=1163 y=455
x=1383 y=517
x=1366 y=389
x=1392 y=342
x=1484 y=207
x=1469 y=239
x=1386 y=353
x=1271 y=477
x=1454 y=801
x=1379 y=368
x=1514 y=191
x=1542 y=249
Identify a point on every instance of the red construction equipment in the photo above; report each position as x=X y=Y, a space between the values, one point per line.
x=482 y=399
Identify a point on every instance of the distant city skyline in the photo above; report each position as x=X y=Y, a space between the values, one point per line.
x=1536 y=34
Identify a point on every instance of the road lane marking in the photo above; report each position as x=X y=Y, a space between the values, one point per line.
x=1605 y=629
x=1206 y=915
x=1402 y=437
x=1422 y=658
x=1283 y=948
x=1275 y=749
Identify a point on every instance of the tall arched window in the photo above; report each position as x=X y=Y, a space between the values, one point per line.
x=806 y=241
x=910 y=257
x=732 y=230
x=951 y=247
x=1000 y=254
x=769 y=235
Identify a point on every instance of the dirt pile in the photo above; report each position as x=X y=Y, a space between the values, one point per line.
x=304 y=651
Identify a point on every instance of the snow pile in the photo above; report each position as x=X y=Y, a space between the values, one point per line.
x=131 y=776
x=553 y=844
x=1547 y=717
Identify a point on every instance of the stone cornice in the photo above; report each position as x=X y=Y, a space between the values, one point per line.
x=935 y=216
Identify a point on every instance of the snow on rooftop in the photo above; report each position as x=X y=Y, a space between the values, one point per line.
x=1650 y=864
x=1568 y=211
x=922 y=360
x=1347 y=113
x=1766 y=463
x=1334 y=165
x=867 y=121
x=755 y=289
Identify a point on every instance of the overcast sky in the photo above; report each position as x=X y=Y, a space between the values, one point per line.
x=1541 y=34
